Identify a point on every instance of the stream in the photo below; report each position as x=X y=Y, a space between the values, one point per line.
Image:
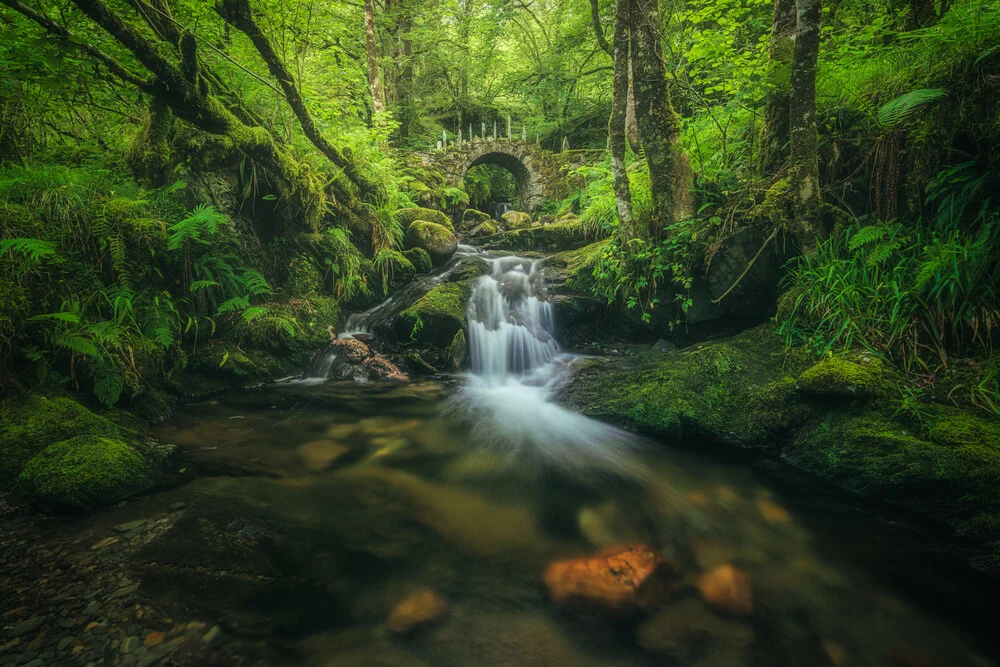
x=315 y=508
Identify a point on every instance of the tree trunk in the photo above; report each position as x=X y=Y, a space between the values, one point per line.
x=806 y=195
x=774 y=131
x=631 y=125
x=371 y=53
x=658 y=123
x=617 y=123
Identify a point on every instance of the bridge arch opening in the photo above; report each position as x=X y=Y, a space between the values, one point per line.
x=497 y=182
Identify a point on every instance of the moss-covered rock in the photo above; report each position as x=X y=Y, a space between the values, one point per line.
x=439 y=242
x=483 y=229
x=516 y=220
x=436 y=317
x=85 y=472
x=957 y=428
x=838 y=377
x=573 y=270
x=407 y=216
x=553 y=238
x=470 y=269
x=739 y=390
x=31 y=422
x=458 y=351
x=471 y=218
x=420 y=260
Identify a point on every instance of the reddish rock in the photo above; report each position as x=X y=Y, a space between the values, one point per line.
x=422 y=609
x=619 y=581
x=350 y=349
x=379 y=367
x=726 y=589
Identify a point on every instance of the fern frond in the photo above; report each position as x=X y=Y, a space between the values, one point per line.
x=896 y=111
x=32 y=249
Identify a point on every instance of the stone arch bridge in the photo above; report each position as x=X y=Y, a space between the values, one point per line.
x=540 y=174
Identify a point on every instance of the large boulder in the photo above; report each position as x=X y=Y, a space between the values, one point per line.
x=407 y=216
x=85 y=472
x=436 y=317
x=471 y=218
x=550 y=238
x=439 y=242
x=516 y=220
x=420 y=260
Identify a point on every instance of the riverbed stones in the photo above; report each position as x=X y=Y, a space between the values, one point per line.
x=439 y=241
x=319 y=454
x=420 y=610
x=618 y=582
x=726 y=589
x=688 y=633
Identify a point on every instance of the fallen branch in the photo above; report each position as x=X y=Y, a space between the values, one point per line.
x=747 y=270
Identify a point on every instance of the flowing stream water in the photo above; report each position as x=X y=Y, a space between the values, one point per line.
x=313 y=510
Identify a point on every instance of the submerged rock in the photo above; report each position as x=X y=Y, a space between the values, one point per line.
x=726 y=589
x=620 y=581
x=418 y=611
x=439 y=241
x=690 y=634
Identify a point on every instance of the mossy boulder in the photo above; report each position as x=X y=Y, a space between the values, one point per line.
x=458 y=351
x=85 y=472
x=469 y=269
x=956 y=429
x=420 y=260
x=516 y=220
x=740 y=390
x=439 y=242
x=573 y=270
x=31 y=422
x=483 y=229
x=550 y=238
x=407 y=216
x=436 y=317
x=838 y=377
x=471 y=218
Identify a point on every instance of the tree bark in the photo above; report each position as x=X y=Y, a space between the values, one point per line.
x=806 y=195
x=774 y=130
x=617 y=123
x=371 y=57
x=658 y=123
x=631 y=124
x=595 y=18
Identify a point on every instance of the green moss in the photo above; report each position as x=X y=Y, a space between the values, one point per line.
x=407 y=216
x=439 y=242
x=304 y=276
x=837 y=377
x=471 y=217
x=516 y=220
x=575 y=268
x=458 y=351
x=483 y=229
x=436 y=317
x=872 y=454
x=555 y=237
x=470 y=269
x=84 y=472
x=732 y=391
x=420 y=260
x=958 y=428
x=32 y=422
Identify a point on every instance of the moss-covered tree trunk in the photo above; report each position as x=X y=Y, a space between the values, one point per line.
x=617 y=123
x=657 y=121
x=774 y=132
x=371 y=58
x=806 y=195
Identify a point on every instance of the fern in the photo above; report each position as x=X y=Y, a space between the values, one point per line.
x=233 y=305
x=203 y=220
x=34 y=250
x=894 y=112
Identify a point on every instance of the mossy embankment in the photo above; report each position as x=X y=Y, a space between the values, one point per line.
x=837 y=418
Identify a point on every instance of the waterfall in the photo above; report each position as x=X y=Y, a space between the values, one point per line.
x=510 y=326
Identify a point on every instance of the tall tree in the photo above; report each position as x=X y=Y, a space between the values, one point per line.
x=774 y=133
x=806 y=195
x=371 y=58
x=658 y=123
x=617 y=123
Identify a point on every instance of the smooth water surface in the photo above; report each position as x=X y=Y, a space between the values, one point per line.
x=318 y=508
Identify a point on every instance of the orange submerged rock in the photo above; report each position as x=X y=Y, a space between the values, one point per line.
x=622 y=580
x=727 y=589
x=423 y=608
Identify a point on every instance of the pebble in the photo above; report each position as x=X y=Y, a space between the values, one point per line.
x=211 y=634
x=131 y=644
x=64 y=643
x=129 y=526
x=106 y=542
x=177 y=507
x=30 y=625
x=154 y=639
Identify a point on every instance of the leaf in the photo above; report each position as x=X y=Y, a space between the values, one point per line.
x=108 y=386
x=895 y=111
x=32 y=249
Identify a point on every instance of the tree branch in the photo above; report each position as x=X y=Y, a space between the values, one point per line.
x=602 y=41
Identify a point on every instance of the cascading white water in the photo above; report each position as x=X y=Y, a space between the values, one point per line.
x=517 y=367
x=510 y=326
